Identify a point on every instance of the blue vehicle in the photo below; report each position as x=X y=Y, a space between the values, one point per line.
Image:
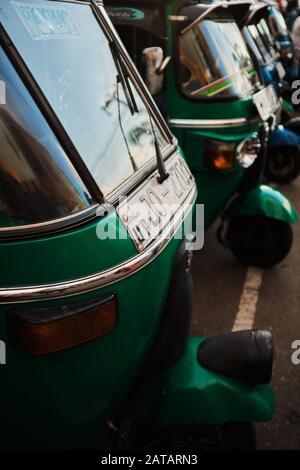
x=279 y=30
x=283 y=156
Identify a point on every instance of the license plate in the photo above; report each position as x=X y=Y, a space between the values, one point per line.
x=281 y=71
x=266 y=102
x=149 y=210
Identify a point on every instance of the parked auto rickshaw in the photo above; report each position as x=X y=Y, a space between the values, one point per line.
x=212 y=97
x=278 y=27
x=94 y=312
x=283 y=160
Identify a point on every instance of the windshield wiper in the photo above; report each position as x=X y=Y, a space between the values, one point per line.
x=123 y=78
x=163 y=174
x=134 y=165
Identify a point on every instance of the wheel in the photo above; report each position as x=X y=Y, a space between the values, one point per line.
x=259 y=240
x=283 y=164
x=186 y=438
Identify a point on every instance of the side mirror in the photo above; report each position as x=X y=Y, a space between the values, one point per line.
x=164 y=64
x=155 y=67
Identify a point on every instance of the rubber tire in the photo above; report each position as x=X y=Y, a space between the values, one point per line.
x=259 y=240
x=235 y=436
x=289 y=157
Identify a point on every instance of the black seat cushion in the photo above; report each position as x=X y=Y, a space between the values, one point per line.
x=246 y=355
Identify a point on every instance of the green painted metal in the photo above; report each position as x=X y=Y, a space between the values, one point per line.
x=185 y=393
x=208 y=180
x=64 y=399
x=215 y=188
x=286 y=106
x=267 y=201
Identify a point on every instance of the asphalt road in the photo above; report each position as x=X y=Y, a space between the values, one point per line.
x=218 y=285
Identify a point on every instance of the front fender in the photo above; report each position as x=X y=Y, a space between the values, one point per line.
x=264 y=200
x=185 y=393
x=282 y=137
x=287 y=107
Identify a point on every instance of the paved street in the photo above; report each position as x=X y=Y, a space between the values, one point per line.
x=219 y=282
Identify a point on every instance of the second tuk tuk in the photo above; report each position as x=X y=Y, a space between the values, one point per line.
x=199 y=71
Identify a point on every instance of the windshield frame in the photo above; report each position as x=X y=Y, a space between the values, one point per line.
x=267 y=38
x=265 y=43
x=53 y=120
x=176 y=51
x=275 y=21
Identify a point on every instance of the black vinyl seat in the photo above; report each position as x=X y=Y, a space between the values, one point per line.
x=246 y=355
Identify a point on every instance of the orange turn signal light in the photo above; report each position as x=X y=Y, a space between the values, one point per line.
x=219 y=155
x=37 y=334
x=220 y=162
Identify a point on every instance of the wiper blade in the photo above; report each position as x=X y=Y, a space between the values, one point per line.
x=123 y=78
x=163 y=174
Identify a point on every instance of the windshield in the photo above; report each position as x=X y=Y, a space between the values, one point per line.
x=69 y=56
x=37 y=181
x=214 y=60
x=252 y=45
x=266 y=37
x=260 y=43
x=277 y=23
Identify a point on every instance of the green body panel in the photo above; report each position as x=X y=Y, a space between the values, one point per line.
x=47 y=259
x=215 y=188
x=64 y=399
x=266 y=201
x=287 y=107
x=185 y=393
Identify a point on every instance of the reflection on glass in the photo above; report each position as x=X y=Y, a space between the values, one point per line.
x=252 y=44
x=277 y=23
x=266 y=37
x=214 y=60
x=260 y=43
x=37 y=181
x=70 y=58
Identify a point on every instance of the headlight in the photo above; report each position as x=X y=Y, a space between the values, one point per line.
x=247 y=151
x=219 y=155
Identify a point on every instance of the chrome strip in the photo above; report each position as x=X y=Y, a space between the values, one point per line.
x=90 y=283
x=208 y=123
x=209 y=10
x=255 y=9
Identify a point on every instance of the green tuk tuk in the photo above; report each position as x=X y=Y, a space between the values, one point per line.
x=94 y=314
x=197 y=67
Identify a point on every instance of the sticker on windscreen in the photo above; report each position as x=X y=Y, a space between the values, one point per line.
x=125 y=13
x=46 y=22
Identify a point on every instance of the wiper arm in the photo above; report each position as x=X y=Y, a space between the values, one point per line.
x=163 y=174
x=123 y=78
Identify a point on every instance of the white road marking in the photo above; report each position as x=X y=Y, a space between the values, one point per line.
x=245 y=317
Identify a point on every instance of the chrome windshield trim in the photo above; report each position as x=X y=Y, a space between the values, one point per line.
x=208 y=123
x=203 y=15
x=35 y=293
